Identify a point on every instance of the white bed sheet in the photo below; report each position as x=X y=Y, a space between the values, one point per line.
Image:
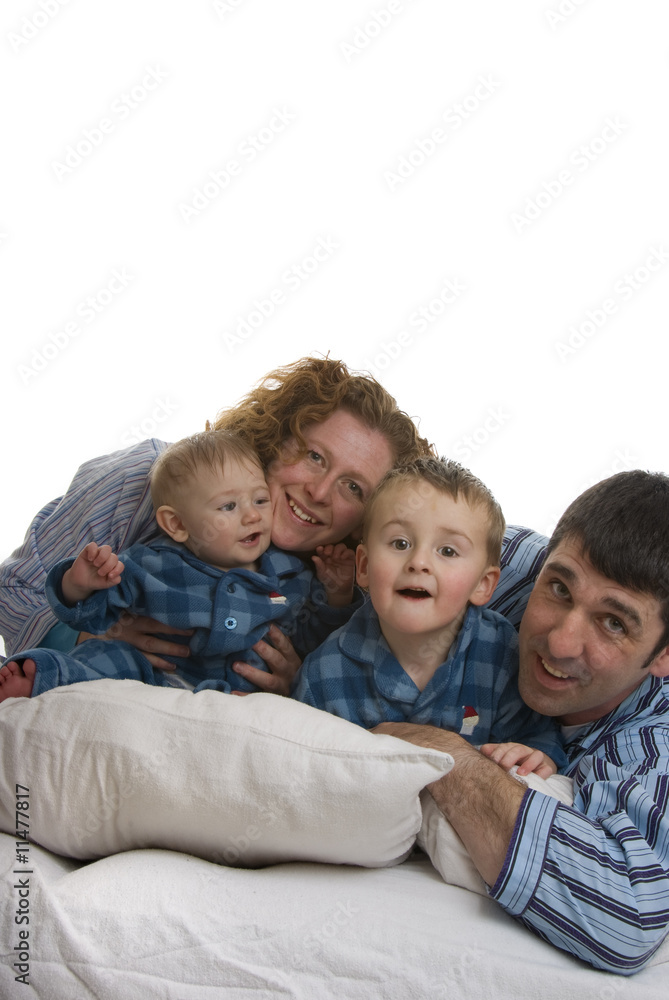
x=158 y=925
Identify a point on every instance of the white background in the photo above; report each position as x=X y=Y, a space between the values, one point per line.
x=542 y=191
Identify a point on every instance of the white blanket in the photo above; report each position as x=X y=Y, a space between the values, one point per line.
x=158 y=925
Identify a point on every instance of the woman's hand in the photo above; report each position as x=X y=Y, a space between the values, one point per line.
x=140 y=633
x=335 y=568
x=282 y=662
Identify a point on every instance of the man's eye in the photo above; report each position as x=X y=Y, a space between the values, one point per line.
x=446 y=550
x=615 y=625
x=400 y=544
x=559 y=589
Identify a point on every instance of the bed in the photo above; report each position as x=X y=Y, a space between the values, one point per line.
x=201 y=846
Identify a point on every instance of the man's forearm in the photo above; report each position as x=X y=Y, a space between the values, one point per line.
x=480 y=800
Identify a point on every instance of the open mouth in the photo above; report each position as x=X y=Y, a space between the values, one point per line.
x=415 y=593
x=301 y=514
x=554 y=672
x=251 y=539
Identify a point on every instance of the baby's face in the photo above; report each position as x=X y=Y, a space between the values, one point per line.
x=228 y=515
x=424 y=559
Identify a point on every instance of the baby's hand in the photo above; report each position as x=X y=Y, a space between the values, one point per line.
x=96 y=568
x=335 y=568
x=528 y=759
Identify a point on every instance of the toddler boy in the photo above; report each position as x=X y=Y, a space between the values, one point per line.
x=424 y=648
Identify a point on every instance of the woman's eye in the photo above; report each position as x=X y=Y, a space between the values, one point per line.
x=315 y=456
x=446 y=550
x=401 y=544
x=355 y=489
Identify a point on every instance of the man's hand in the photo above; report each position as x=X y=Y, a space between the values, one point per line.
x=282 y=662
x=140 y=633
x=528 y=759
x=335 y=568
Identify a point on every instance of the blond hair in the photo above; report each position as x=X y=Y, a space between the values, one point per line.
x=182 y=461
x=453 y=479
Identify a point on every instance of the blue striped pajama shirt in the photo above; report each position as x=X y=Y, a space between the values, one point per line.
x=593 y=879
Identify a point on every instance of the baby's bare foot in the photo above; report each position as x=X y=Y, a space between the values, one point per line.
x=16 y=679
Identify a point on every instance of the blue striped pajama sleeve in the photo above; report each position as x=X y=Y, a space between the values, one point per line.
x=594 y=879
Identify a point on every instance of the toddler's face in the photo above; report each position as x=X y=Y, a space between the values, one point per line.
x=228 y=515
x=424 y=559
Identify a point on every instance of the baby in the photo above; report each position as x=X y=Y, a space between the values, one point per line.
x=423 y=648
x=212 y=570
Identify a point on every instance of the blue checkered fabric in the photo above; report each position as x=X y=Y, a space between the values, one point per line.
x=474 y=692
x=229 y=611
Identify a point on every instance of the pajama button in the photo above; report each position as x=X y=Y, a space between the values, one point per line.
x=230 y=623
x=231 y=588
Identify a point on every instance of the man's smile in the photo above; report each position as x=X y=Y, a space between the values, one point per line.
x=553 y=671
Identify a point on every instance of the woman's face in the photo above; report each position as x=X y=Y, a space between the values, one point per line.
x=320 y=499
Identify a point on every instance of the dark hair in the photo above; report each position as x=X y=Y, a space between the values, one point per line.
x=622 y=526
x=451 y=478
x=182 y=461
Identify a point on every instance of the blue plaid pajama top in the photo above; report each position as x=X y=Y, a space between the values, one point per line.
x=474 y=692
x=229 y=610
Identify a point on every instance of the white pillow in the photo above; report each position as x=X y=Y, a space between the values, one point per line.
x=114 y=765
x=445 y=849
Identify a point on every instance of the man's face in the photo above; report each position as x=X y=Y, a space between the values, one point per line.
x=585 y=642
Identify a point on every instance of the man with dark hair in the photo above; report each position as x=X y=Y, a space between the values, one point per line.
x=592 y=879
